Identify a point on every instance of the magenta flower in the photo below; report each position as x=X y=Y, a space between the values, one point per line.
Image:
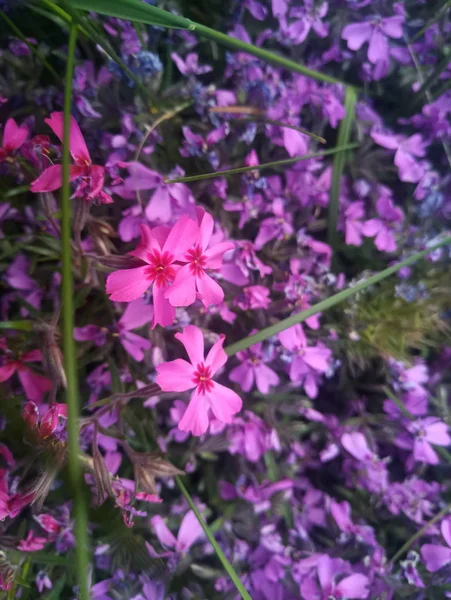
x=160 y=249
x=427 y=432
x=277 y=227
x=306 y=361
x=190 y=531
x=190 y=66
x=34 y=385
x=253 y=370
x=328 y=586
x=13 y=138
x=308 y=17
x=382 y=228
x=179 y=375
x=91 y=176
x=436 y=556
x=376 y=32
x=31 y=543
x=50 y=421
x=354 y=226
x=407 y=149
x=193 y=277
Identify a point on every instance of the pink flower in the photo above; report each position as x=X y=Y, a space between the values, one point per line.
x=13 y=138
x=50 y=421
x=437 y=556
x=426 y=432
x=35 y=385
x=91 y=176
x=31 y=543
x=407 y=150
x=160 y=249
x=193 y=277
x=353 y=224
x=189 y=532
x=180 y=375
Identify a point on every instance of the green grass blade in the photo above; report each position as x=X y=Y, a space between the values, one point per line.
x=275 y=163
x=73 y=444
x=219 y=553
x=344 y=134
x=31 y=47
x=19 y=325
x=135 y=10
x=247 y=342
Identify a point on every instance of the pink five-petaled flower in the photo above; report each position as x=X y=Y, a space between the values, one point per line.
x=91 y=176
x=193 y=275
x=34 y=385
x=376 y=33
x=160 y=248
x=437 y=556
x=179 y=375
x=13 y=138
x=190 y=531
x=31 y=543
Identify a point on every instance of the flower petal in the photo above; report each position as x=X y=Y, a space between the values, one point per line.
x=190 y=530
x=193 y=340
x=211 y=293
x=195 y=418
x=128 y=284
x=224 y=402
x=77 y=143
x=183 y=291
x=216 y=358
x=175 y=376
x=435 y=556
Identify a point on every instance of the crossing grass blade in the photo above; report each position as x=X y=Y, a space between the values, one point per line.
x=219 y=553
x=263 y=334
x=344 y=134
x=268 y=165
x=135 y=10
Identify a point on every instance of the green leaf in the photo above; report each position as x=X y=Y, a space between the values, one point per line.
x=135 y=10
x=329 y=302
x=344 y=133
x=219 y=553
x=268 y=165
x=20 y=325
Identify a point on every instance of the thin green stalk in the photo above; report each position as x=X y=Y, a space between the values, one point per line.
x=344 y=133
x=220 y=554
x=19 y=325
x=266 y=121
x=268 y=165
x=329 y=302
x=135 y=10
x=437 y=17
x=31 y=47
x=73 y=444
x=421 y=532
x=20 y=189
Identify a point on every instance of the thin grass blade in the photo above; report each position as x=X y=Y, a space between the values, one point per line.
x=268 y=332
x=344 y=134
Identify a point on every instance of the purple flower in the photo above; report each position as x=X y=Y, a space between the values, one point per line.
x=328 y=585
x=376 y=32
x=257 y=10
x=190 y=66
x=253 y=370
x=203 y=147
x=251 y=437
x=190 y=531
x=373 y=473
x=436 y=556
x=354 y=226
x=427 y=432
x=278 y=227
x=406 y=151
x=390 y=216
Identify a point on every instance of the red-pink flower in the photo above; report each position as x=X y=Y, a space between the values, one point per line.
x=91 y=176
x=50 y=421
x=193 y=277
x=180 y=375
x=31 y=543
x=160 y=248
x=34 y=385
x=13 y=138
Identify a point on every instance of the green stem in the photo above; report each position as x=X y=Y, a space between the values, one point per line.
x=344 y=133
x=268 y=165
x=437 y=17
x=135 y=10
x=31 y=47
x=329 y=302
x=265 y=121
x=73 y=445
x=421 y=532
x=19 y=325
x=220 y=554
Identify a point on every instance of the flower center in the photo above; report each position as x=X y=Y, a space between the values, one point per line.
x=160 y=269
x=202 y=378
x=196 y=260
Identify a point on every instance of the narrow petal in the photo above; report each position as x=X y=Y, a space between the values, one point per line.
x=195 y=419
x=424 y=452
x=49 y=180
x=224 y=402
x=378 y=47
x=193 y=340
x=175 y=376
x=135 y=345
x=445 y=528
x=32 y=356
x=162 y=532
x=211 y=293
x=190 y=530
x=183 y=291
x=355 y=443
x=206 y=228
x=128 y=284
x=148 y=243
x=216 y=358
x=14 y=136
x=356 y=34
x=77 y=143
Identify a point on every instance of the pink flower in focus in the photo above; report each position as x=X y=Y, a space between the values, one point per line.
x=31 y=543
x=160 y=249
x=193 y=277
x=13 y=138
x=436 y=556
x=179 y=375
x=34 y=385
x=91 y=176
